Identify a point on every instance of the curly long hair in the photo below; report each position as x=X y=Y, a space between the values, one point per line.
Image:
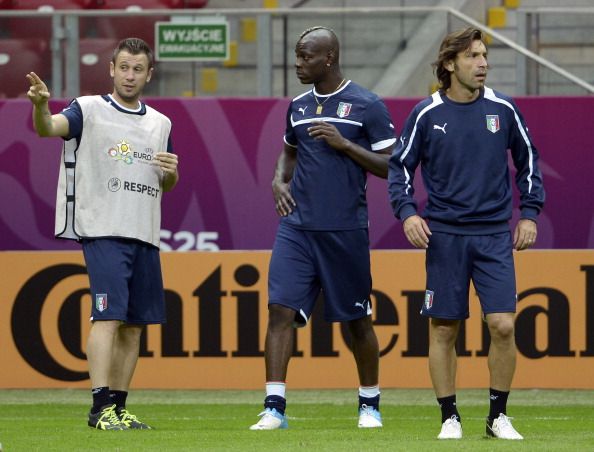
x=452 y=44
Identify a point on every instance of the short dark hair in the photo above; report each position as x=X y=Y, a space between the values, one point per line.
x=452 y=44
x=317 y=27
x=332 y=42
x=135 y=46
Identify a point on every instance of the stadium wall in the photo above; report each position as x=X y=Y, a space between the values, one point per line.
x=217 y=301
x=217 y=315
x=228 y=149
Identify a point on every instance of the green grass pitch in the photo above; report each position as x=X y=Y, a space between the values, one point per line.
x=324 y=420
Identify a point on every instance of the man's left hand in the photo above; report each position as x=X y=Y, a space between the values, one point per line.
x=525 y=234
x=167 y=161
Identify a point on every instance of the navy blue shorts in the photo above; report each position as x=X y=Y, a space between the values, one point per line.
x=452 y=261
x=303 y=263
x=126 y=281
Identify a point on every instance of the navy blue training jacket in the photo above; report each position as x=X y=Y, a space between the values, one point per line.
x=463 y=152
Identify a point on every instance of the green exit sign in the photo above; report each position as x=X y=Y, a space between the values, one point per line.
x=200 y=41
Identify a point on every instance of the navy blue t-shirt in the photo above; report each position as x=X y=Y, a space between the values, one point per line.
x=327 y=185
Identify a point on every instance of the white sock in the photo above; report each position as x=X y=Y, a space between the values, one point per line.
x=369 y=392
x=276 y=388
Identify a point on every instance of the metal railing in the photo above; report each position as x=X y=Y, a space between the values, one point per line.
x=530 y=30
x=65 y=52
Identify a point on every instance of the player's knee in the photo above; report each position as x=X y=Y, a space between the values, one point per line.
x=502 y=329
x=280 y=317
x=444 y=332
x=105 y=327
x=361 y=329
x=130 y=333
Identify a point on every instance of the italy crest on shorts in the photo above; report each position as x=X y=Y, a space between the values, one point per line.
x=101 y=302
x=343 y=109
x=428 y=299
x=492 y=123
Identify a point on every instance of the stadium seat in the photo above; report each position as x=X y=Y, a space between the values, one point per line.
x=152 y=4
x=101 y=4
x=123 y=27
x=142 y=4
x=120 y=27
x=18 y=57
x=187 y=4
x=95 y=55
x=36 y=27
x=139 y=27
x=41 y=27
x=30 y=28
x=43 y=4
x=7 y=4
x=91 y=4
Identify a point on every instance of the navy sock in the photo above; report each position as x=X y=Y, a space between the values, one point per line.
x=448 y=408
x=100 y=398
x=370 y=401
x=277 y=402
x=119 y=398
x=498 y=403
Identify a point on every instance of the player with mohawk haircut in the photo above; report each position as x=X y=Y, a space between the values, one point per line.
x=336 y=133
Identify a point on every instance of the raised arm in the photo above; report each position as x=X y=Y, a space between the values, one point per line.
x=46 y=124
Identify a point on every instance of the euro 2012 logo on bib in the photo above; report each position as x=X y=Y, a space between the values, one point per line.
x=121 y=151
